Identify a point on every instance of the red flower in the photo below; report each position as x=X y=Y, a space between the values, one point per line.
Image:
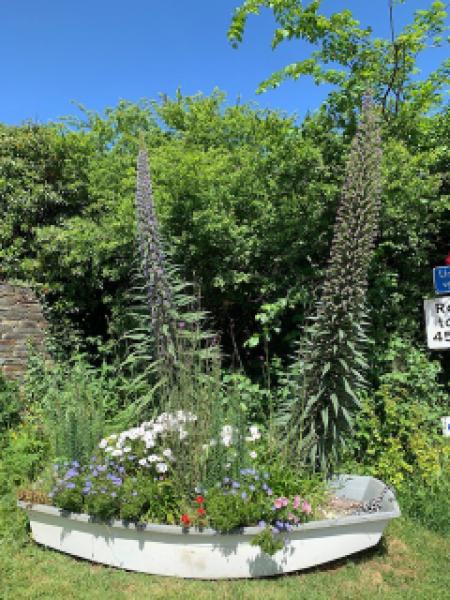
x=447 y=259
x=185 y=520
x=201 y=511
x=200 y=499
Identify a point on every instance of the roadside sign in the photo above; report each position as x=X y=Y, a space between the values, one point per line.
x=441 y=278
x=437 y=320
x=446 y=426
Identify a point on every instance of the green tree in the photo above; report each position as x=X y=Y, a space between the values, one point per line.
x=348 y=55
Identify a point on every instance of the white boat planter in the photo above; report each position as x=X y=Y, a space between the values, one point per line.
x=170 y=550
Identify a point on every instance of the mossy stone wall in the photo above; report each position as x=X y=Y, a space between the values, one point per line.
x=21 y=322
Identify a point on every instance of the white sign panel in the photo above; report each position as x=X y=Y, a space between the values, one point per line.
x=437 y=319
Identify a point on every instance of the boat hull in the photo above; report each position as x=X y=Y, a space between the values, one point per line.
x=170 y=551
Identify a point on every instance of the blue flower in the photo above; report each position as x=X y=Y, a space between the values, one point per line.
x=236 y=484
x=75 y=464
x=226 y=480
x=70 y=486
x=244 y=496
x=262 y=524
x=71 y=473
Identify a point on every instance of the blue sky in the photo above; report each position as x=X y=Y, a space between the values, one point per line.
x=96 y=52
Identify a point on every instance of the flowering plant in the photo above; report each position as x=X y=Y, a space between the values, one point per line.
x=133 y=476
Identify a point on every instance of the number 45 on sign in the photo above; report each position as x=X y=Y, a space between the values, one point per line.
x=437 y=319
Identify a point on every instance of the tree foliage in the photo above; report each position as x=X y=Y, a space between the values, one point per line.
x=246 y=200
x=348 y=55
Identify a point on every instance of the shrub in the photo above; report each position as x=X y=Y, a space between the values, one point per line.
x=398 y=431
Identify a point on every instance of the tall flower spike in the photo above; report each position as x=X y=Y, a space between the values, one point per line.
x=159 y=294
x=333 y=354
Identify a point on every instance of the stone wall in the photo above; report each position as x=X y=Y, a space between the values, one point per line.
x=21 y=322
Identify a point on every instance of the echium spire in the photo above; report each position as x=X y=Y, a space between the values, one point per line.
x=152 y=256
x=333 y=353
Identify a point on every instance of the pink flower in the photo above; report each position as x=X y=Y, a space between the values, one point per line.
x=292 y=517
x=284 y=501
x=306 y=507
x=296 y=502
x=278 y=503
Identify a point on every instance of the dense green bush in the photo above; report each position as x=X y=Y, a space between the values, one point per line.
x=398 y=431
x=246 y=199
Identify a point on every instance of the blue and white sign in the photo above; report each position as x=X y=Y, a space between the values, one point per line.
x=446 y=426
x=441 y=277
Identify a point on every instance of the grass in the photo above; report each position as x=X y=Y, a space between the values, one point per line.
x=410 y=562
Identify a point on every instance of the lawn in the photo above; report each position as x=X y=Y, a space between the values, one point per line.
x=410 y=562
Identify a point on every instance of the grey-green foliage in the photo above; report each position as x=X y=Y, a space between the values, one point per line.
x=332 y=355
x=74 y=401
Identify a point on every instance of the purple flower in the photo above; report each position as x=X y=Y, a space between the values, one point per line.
x=181 y=325
x=75 y=464
x=262 y=524
x=275 y=530
x=236 y=484
x=86 y=490
x=113 y=494
x=244 y=496
x=269 y=492
x=71 y=473
x=70 y=486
